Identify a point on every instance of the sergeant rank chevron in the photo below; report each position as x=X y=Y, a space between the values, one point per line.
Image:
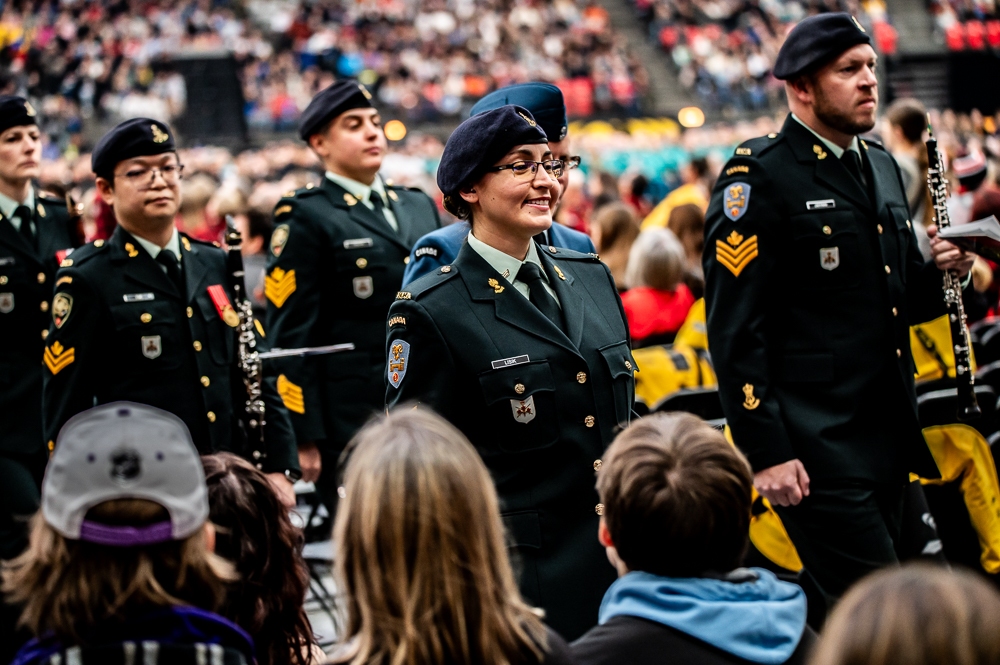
x=736 y=257
x=279 y=285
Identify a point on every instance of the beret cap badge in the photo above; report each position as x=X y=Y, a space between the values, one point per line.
x=159 y=136
x=530 y=121
x=29 y=109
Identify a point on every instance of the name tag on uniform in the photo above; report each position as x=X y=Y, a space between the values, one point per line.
x=355 y=243
x=509 y=362
x=823 y=204
x=138 y=297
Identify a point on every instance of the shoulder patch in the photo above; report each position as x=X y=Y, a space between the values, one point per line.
x=403 y=295
x=427 y=251
x=397 y=321
x=739 y=168
x=282 y=210
x=743 y=152
x=399 y=358
x=278 y=238
x=737 y=198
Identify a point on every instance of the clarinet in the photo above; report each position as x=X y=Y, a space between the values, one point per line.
x=251 y=421
x=968 y=406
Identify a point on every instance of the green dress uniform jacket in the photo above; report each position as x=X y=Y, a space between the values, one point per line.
x=26 y=278
x=811 y=286
x=539 y=404
x=121 y=331
x=334 y=269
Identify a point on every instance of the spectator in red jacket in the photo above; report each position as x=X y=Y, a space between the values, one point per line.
x=657 y=301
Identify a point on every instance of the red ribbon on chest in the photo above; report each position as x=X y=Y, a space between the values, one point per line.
x=222 y=305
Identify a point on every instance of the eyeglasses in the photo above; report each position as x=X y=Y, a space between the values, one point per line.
x=144 y=178
x=572 y=162
x=524 y=168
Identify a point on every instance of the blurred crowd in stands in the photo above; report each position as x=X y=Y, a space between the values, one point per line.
x=724 y=50
x=426 y=60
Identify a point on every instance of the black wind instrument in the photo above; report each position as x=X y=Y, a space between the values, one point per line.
x=968 y=406
x=247 y=359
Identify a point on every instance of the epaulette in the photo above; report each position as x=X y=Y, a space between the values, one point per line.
x=49 y=197
x=756 y=146
x=427 y=282
x=868 y=143
x=84 y=253
x=569 y=254
x=215 y=244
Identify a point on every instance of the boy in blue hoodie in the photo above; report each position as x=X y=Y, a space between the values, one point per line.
x=675 y=506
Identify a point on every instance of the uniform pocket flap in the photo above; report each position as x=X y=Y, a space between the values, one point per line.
x=808 y=367
x=126 y=315
x=619 y=359
x=516 y=382
x=524 y=529
x=359 y=258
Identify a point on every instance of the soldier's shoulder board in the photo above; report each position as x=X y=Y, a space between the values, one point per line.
x=81 y=255
x=52 y=199
x=561 y=253
x=757 y=146
x=428 y=282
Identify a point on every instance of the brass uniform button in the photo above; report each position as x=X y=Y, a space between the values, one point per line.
x=519 y=388
x=827 y=230
x=45 y=334
x=406 y=260
x=211 y=416
x=552 y=249
x=146 y=317
x=895 y=312
x=589 y=421
x=52 y=445
x=581 y=377
x=445 y=268
x=597 y=465
x=599 y=509
x=772 y=135
x=3 y=279
x=197 y=345
x=909 y=224
x=205 y=381
x=44 y=306
x=888 y=270
x=190 y=312
x=880 y=229
x=628 y=365
x=361 y=263
x=98 y=243
x=41 y=278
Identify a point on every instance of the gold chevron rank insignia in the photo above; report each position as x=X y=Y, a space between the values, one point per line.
x=737 y=253
x=279 y=285
x=291 y=395
x=57 y=358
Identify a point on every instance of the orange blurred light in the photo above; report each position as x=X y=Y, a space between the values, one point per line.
x=691 y=116
x=395 y=130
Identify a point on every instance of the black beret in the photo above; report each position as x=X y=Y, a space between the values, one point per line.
x=480 y=141
x=15 y=112
x=330 y=102
x=139 y=137
x=816 y=41
x=544 y=100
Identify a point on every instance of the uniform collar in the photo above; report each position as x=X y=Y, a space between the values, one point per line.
x=173 y=245
x=9 y=205
x=837 y=151
x=359 y=190
x=505 y=264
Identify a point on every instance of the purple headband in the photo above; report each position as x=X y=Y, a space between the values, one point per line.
x=126 y=536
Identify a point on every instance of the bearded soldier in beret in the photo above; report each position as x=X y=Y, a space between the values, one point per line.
x=147 y=315
x=813 y=278
x=337 y=258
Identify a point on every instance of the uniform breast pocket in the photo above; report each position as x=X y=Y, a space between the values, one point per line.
x=220 y=338
x=621 y=365
x=825 y=252
x=147 y=336
x=360 y=270
x=904 y=234
x=521 y=404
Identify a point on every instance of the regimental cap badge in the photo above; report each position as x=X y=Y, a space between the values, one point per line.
x=736 y=200
x=749 y=401
x=349 y=199
x=364 y=91
x=30 y=110
x=820 y=153
x=159 y=136
x=858 y=23
x=527 y=119
x=496 y=285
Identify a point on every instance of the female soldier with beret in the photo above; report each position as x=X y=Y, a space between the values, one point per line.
x=524 y=348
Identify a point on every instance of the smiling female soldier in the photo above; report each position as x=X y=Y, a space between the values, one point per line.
x=524 y=348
